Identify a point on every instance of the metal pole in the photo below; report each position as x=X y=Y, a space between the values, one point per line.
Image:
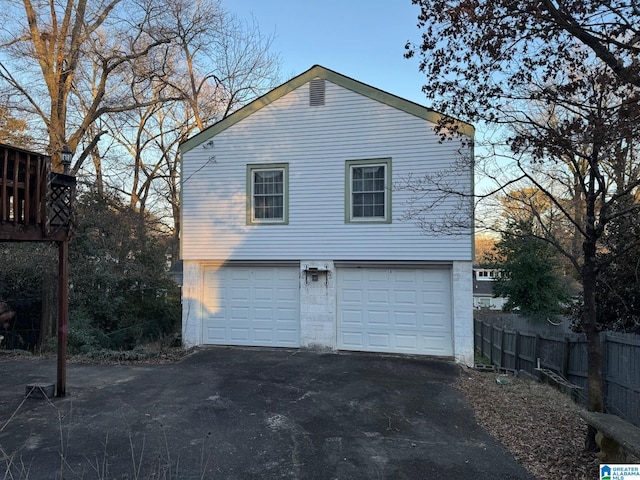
x=63 y=315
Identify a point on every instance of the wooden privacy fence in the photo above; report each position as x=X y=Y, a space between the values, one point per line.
x=567 y=355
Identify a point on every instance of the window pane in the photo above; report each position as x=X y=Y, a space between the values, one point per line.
x=358 y=199
x=368 y=185
x=368 y=191
x=268 y=194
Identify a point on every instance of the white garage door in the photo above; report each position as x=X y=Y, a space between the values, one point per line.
x=257 y=306
x=395 y=310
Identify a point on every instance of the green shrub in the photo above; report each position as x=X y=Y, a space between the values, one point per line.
x=82 y=335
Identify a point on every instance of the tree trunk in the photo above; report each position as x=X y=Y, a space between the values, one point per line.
x=594 y=351
x=97 y=164
x=592 y=333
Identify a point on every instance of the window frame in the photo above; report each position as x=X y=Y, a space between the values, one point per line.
x=348 y=212
x=251 y=168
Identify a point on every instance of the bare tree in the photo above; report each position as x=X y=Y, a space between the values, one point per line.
x=53 y=48
x=140 y=74
x=214 y=65
x=559 y=82
x=13 y=131
x=222 y=62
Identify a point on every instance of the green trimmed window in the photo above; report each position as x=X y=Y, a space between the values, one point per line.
x=267 y=193
x=368 y=191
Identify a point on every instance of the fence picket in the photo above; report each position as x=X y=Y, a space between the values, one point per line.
x=567 y=355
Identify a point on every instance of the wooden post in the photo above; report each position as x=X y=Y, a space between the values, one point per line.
x=493 y=329
x=566 y=352
x=502 y=348
x=63 y=316
x=516 y=352
x=604 y=346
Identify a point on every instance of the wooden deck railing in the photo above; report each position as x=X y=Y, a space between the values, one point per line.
x=34 y=203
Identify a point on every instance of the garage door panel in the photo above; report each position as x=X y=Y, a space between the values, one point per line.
x=235 y=294
x=287 y=316
x=264 y=274
x=289 y=338
x=214 y=333
x=289 y=274
x=252 y=306
x=351 y=276
x=263 y=315
x=238 y=313
x=263 y=294
x=290 y=294
x=435 y=322
x=406 y=297
x=351 y=317
x=435 y=297
x=239 y=334
x=379 y=277
x=381 y=341
x=434 y=301
x=352 y=296
x=351 y=340
x=263 y=335
x=377 y=296
x=438 y=344
x=410 y=314
x=379 y=318
x=406 y=319
x=238 y=273
x=400 y=275
x=407 y=342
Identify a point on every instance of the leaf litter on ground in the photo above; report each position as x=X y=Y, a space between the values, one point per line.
x=538 y=424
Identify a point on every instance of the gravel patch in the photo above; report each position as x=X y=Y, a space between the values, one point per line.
x=540 y=426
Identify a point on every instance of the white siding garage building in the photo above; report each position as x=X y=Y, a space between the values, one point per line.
x=293 y=232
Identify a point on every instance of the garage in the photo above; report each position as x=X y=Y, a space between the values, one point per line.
x=400 y=310
x=253 y=306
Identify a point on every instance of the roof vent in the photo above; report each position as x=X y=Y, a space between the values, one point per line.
x=316 y=92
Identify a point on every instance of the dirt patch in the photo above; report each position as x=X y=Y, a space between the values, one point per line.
x=540 y=426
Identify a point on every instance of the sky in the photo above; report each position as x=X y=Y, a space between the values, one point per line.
x=362 y=39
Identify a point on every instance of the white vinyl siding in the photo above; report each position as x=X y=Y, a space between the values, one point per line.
x=316 y=142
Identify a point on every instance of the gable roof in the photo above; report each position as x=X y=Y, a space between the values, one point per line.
x=318 y=71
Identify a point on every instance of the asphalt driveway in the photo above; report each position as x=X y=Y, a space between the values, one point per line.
x=233 y=413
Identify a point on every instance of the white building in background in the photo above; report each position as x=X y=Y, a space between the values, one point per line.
x=483 y=289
